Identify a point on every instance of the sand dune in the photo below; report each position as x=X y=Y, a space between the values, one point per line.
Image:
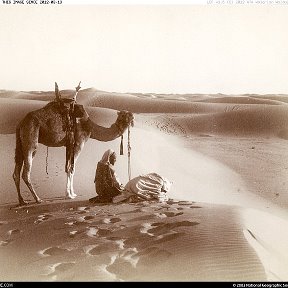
x=242 y=100
x=238 y=121
x=134 y=245
x=268 y=243
x=224 y=115
x=227 y=151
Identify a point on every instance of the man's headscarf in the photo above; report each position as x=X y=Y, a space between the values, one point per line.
x=106 y=156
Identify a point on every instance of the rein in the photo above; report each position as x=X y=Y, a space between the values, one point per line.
x=129 y=152
x=47 y=161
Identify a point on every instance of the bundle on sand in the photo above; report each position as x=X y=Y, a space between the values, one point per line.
x=151 y=186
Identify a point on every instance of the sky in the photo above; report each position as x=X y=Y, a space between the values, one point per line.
x=145 y=48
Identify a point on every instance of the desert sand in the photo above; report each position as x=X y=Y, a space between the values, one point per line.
x=226 y=219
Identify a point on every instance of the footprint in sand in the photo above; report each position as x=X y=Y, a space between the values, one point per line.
x=115 y=220
x=163 y=237
x=53 y=251
x=152 y=256
x=13 y=232
x=42 y=218
x=121 y=243
x=161 y=229
x=111 y=220
x=5 y=242
x=122 y=264
x=60 y=267
x=129 y=252
x=70 y=223
x=138 y=210
x=72 y=234
x=99 y=232
x=141 y=218
x=168 y=237
x=80 y=212
x=171 y=202
x=140 y=204
x=145 y=227
x=92 y=232
x=113 y=238
x=168 y=214
x=80 y=220
x=88 y=248
x=126 y=257
x=184 y=203
x=54 y=269
x=195 y=207
x=89 y=217
x=140 y=236
x=103 y=232
x=108 y=247
x=157 y=224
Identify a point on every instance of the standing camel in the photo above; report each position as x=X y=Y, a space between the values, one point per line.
x=48 y=126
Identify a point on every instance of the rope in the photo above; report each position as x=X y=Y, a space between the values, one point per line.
x=121 y=146
x=129 y=154
x=47 y=161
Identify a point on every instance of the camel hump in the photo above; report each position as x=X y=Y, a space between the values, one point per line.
x=30 y=120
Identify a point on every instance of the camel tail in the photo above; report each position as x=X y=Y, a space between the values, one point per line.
x=18 y=150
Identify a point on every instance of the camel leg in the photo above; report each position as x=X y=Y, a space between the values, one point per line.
x=70 y=175
x=69 y=195
x=73 y=194
x=69 y=184
x=16 y=177
x=18 y=166
x=27 y=172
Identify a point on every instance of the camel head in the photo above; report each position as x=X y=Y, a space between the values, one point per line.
x=124 y=120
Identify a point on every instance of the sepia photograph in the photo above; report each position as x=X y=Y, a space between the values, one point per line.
x=143 y=142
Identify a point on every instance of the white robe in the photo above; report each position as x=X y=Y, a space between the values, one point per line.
x=149 y=186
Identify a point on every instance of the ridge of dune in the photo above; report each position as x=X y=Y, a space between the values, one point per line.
x=242 y=100
x=269 y=244
x=226 y=119
x=191 y=97
x=277 y=97
x=270 y=121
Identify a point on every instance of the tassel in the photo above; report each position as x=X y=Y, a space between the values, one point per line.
x=121 y=146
